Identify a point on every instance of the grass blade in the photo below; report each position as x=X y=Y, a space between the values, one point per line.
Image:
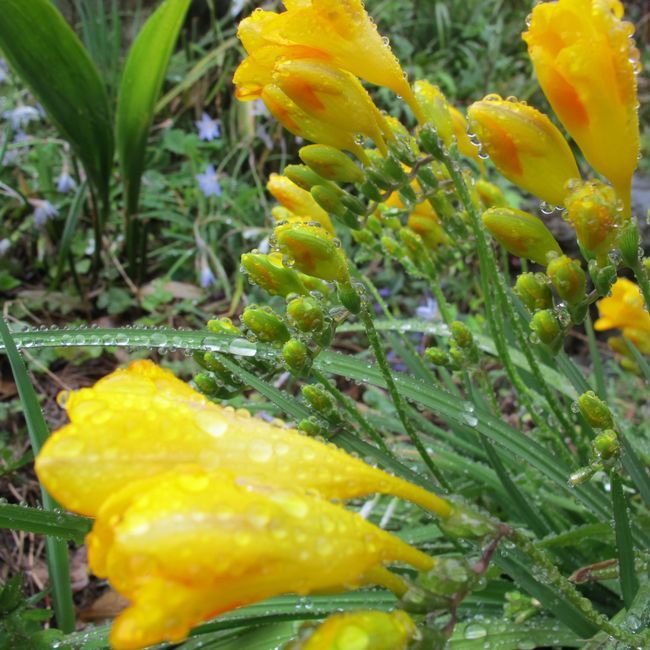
x=44 y=522
x=68 y=231
x=41 y=47
x=624 y=545
x=56 y=549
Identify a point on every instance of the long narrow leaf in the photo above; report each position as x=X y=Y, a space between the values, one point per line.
x=45 y=522
x=142 y=80
x=48 y=56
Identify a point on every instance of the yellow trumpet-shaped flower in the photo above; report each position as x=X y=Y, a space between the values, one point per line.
x=625 y=310
x=435 y=108
x=586 y=64
x=333 y=96
x=297 y=201
x=464 y=144
x=365 y=630
x=340 y=33
x=525 y=146
x=142 y=421
x=189 y=545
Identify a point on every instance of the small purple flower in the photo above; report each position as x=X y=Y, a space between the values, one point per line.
x=264 y=136
x=208 y=182
x=65 y=183
x=428 y=310
x=258 y=108
x=207 y=276
x=209 y=129
x=236 y=7
x=43 y=211
x=21 y=116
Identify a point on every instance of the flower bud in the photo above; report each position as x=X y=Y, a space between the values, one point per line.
x=318 y=399
x=306 y=314
x=629 y=243
x=393 y=169
x=330 y=163
x=328 y=198
x=435 y=109
x=461 y=334
x=463 y=142
x=546 y=326
x=206 y=383
x=606 y=444
x=296 y=356
x=304 y=177
x=603 y=277
x=595 y=411
x=223 y=325
x=521 y=234
x=266 y=325
x=311 y=427
x=353 y=203
x=349 y=298
x=431 y=142
x=525 y=146
x=534 y=291
x=568 y=279
x=596 y=214
x=491 y=196
x=370 y=191
x=449 y=576
x=268 y=273
x=465 y=523
x=438 y=357
x=314 y=251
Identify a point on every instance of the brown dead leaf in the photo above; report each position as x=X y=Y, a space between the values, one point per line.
x=106 y=607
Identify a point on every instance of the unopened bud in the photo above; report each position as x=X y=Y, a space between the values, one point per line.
x=603 y=277
x=534 y=291
x=393 y=169
x=431 y=143
x=461 y=334
x=629 y=243
x=268 y=273
x=449 y=576
x=223 y=326
x=546 y=326
x=438 y=357
x=521 y=234
x=296 y=356
x=408 y=195
x=329 y=198
x=311 y=427
x=306 y=314
x=435 y=108
x=206 y=383
x=352 y=203
x=606 y=444
x=314 y=251
x=318 y=399
x=466 y=524
x=595 y=411
x=330 y=163
x=568 y=279
x=266 y=325
x=491 y=196
x=370 y=191
x=349 y=298
x=427 y=178
x=303 y=176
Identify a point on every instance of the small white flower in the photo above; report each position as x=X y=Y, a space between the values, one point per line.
x=209 y=129
x=258 y=108
x=5 y=245
x=21 y=116
x=43 y=211
x=65 y=183
x=428 y=310
x=208 y=182
x=236 y=7
x=207 y=276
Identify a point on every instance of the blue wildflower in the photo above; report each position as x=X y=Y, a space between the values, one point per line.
x=428 y=310
x=208 y=182
x=207 y=276
x=21 y=116
x=43 y=211
x=209 y=129
x=65 y=183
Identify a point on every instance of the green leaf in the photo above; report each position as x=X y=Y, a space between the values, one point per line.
x=142 y=80
x=44 y=522
x=56 y=550
x=48 y=56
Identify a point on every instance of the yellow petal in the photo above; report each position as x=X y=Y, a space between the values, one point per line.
x=624 y=309
x=525 y=146
x=586 y=64
x=141 y=421
x=193 y=545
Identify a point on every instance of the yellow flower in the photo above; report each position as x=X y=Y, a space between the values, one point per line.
x=189 y=545
x=341 y=34
x=525 y=146
x=625 y=310
x=436 y=109
x=364 y=630
x=459 y=125
x=142 y=421
x=586 y=64
x=297 y=201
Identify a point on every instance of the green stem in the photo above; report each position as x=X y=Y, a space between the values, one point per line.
x=596 y=359
x=398 y=400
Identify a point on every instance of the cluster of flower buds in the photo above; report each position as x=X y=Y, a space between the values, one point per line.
x=462 y=351
x=606 y=445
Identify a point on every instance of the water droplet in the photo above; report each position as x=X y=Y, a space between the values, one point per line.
x=243 y=348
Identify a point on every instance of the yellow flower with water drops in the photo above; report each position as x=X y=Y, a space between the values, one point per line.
x=188 y=545
x=142 y=421
x=298 y=202
x=525 y=146
x=363 y=630
x=463 y=142
x=339 y=33
x=586 y=64
x=435 y=108
x=625 y=309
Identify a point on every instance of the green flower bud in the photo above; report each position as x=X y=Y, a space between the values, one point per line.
x=296 y=356
x=328 y=199
x=595 y=411
x=223 y=326
x=461 y=334
x=206 y=383
x=370 y=191
x=349 y=298
x=364 y=237
x=268 y=273
x=521 y=234
x=534 y=291
x=314 y=251
x=303 y=177
x=330 y=163
x=379 y=179
x=318 y=399
x=427 y=178
x=458 y=357
x=438 y=357
x=491 y=196
x=393 y=169
x=266 y=325
x=607 y=445
x=418 y=600
x=583 y=474
x=466 y=524
x=449 y=576
x=603 y=277
x=596 y=214
x=306 y=314
x=546 y=326
x=408 y=195
x=311 y=427
x=353 y=204
x=629 y=243
x=568 y=279
x=430 y=142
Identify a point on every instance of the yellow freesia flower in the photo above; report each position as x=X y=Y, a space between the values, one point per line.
x=525 y=146
x=297 y=201
x=340 y=33
x=435 y=108
x=586 y=64
x=188 y=545
x=365 y=630
x=142 y=421
x=625 y=310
